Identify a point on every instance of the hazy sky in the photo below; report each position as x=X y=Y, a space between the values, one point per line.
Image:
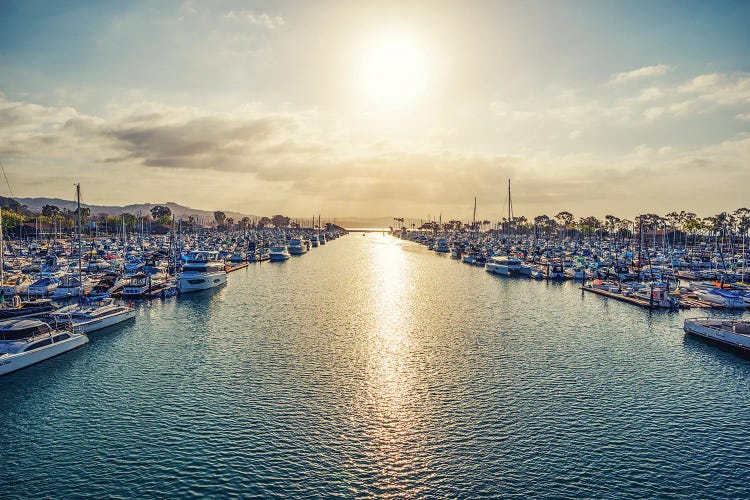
x=382 y=109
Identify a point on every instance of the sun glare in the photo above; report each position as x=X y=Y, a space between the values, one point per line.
x=395 y=71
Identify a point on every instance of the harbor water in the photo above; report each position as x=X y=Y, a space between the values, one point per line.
x=372 y=366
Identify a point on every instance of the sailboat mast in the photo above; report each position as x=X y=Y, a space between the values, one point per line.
x=510 y=227
x=474 y=215
x=78 y=224
x=2 y=249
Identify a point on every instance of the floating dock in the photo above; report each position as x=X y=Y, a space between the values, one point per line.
x=687 y=301
x=241 y=265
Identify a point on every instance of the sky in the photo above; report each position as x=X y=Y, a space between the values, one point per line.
x=380 y=108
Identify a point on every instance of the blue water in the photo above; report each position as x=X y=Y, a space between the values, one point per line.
x=373 y=367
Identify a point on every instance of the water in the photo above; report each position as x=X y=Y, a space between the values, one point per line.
x=373 y=367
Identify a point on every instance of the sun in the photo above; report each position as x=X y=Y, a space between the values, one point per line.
x=395 y=71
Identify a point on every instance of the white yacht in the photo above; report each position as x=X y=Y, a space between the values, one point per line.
x=24 y=342
x=441 y=246
x=43 y=287
x=296 y=247
x=505 y=266
x=16 y=284
x=71 y=286
x=202 y=270
x=733 y=333
x=96 y=315
x=279 y=253
x=720 y=297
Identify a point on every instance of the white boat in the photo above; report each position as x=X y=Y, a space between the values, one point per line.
x=43 y=287
x=70 y=286
x=657 y=295
x=279 y=253
x=296 y=247
x=734 y=333
x=724 y=298
x=24 y=342
x=202 y=270
x=441 y=246
x=95 y=315
x=505 y=266
x=16 y=284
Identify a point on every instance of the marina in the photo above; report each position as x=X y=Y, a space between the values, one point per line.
x=525 y=355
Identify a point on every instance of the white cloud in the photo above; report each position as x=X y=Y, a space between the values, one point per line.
x=258 y=19
x=637 y=74
x=745 y=117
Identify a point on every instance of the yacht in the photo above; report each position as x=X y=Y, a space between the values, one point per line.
x=720 y=297
x=733 y=333
x=93 y=316
x=71 y=286
x=16 y=284
x=202 y=270
x=296 y=247
x=107 y=285
x=279 y=253
x=441 y=246
x=43 y=287
x=314 y=241
x=506 y=266
x=24 y=342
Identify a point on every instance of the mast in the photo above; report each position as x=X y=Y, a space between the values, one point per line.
x=78 y=224
x=474 y=215
x=2 y=249
x=510 y=219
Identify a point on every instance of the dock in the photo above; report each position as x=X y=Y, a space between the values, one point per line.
x=687 y=301
x=237 y=267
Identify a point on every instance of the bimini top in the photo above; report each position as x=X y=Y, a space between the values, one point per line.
x=16 y=329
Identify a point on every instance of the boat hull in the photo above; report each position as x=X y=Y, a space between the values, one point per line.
x=15 y=362
x=189 y=282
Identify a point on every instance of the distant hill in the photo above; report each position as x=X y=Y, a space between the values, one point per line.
x=36 y=204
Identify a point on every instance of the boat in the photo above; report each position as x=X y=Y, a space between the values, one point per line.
x=657 y=295
x=296 y=247
x=441 y=246
x=278 y=253
x=201 y=270
x=70 y=286
x=92 y=316
x=505 y=266
x=17 y=307
x=16 y=284
x=733 y=333
x=314 y=240
x=43 y=287
x=721 y=297
x=24 y=342
x=107 y=285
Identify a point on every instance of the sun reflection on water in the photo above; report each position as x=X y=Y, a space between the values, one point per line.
x=391 y=377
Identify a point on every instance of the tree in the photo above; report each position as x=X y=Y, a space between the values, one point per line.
x=264 y=222
x=50 y=210
x=159 y=211
x=220 y=217
x=280 y=221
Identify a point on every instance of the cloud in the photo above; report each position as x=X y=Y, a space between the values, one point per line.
x=269 y=162
x=258 y=19
x=745 y=117
x=637 y=74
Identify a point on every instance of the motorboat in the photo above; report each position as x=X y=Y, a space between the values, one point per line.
x=24 y=342
x=279 y=253
x=201 y=270
x=505 y=266
x=93 y=315
x=296 y=247
x=43 y=287
x=733 y=333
